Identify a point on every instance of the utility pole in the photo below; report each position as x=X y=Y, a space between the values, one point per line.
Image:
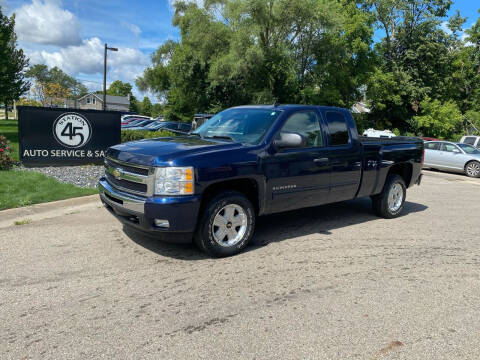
x=105 y=75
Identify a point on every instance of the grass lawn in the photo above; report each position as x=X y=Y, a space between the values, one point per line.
x=9 y=129
x=22 y=188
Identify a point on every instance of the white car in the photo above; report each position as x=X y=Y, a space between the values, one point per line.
x=130 y=116
x=378 y=133
x=449 y=156
x=471 y=140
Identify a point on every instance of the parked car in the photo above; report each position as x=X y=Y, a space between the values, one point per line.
x=456 y=157
x=171 y=126
x=199 y=119
x=136 y=124
x=429 y=139
x=471 y=140
x=378 y=133
x=134 y=116
x=211 y=184
x=129 y=121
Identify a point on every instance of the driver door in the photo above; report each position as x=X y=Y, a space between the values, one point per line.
x=299 y=177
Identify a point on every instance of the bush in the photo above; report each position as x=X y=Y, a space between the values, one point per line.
x=132 y=135
x=439 y=120
x=6 y=160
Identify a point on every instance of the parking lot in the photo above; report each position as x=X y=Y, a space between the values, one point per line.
x=332 y=282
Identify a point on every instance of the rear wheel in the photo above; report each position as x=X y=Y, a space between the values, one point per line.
x=226 y=225
x=389 y=203
x=472 y=169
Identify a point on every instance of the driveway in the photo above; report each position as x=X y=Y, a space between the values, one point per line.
x=332 y=282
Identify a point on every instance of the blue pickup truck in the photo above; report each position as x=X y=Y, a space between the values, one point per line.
x=210 y=185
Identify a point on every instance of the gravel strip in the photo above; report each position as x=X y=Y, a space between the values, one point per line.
x=82 y=176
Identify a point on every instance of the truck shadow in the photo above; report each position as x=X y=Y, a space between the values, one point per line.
x=279 y=227
x=320 y=220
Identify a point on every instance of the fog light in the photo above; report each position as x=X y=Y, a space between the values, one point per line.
x=161 y=223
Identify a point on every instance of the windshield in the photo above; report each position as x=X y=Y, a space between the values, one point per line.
x=239 y=124
x=469 y=149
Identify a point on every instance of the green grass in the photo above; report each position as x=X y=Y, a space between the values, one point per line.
x=22 y=222
x=22 y=188
x=9 y=129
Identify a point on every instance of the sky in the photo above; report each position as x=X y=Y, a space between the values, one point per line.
x=71 y=34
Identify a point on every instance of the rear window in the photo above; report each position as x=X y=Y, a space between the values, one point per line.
x=337 y=127
x=431 y=146
x=469 y=140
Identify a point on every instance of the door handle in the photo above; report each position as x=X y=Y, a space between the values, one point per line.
x=321 y=160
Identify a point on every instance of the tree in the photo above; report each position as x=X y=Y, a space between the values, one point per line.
x=40 y=74
x=12 y=63
x=119 y=88
x=413 y=60
x=134 y=105
x=56 y=93
x=234 y=52
x=440 y=120
x=146 y=107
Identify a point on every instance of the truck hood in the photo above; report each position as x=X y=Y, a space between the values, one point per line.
x=161 y=151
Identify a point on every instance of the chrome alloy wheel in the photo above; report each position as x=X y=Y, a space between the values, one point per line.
x=229 y=225
x=395 y=197
x=473 y=169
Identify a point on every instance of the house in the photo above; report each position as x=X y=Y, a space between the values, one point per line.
x=360 y=108
x=94 y=101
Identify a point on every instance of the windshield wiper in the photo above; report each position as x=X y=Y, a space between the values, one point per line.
x=221 y=137
x=195 y=134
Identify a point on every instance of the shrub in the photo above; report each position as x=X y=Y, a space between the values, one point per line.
x=6 y=160
x=132 y=135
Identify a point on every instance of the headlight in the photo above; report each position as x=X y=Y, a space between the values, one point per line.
x=174 y=181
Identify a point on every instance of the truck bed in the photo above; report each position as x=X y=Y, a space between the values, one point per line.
x=398 y=140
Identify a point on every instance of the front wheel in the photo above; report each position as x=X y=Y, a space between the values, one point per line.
x=389 y=203
x=226 y=225
x=472 y=169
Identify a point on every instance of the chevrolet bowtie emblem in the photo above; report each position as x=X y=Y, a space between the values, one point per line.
x=117 y=173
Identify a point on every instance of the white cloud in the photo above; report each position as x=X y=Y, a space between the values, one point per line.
x=87 y=58
x=45 y=22
x=133 y=28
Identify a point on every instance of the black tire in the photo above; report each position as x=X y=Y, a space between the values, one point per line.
x=380 y=201
x=472 y=169
x=204 y=236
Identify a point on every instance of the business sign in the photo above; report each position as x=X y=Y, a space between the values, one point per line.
x=54 y=136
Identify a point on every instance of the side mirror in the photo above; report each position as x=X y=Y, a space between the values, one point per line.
x=289 y=140
x=456 y=151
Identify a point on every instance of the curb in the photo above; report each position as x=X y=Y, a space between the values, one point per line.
x=47 y=210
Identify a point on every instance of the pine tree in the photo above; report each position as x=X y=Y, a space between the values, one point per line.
x=12 y=63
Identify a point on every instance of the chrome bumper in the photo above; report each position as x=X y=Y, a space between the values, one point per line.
x=120 y=200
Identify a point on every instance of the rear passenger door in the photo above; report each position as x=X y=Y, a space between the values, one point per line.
x=345 y=154
x=432 y=154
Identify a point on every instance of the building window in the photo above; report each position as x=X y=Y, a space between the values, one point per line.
x=88 y=100
x=93 y=100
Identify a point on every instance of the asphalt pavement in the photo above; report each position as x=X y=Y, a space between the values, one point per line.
x=332 y=282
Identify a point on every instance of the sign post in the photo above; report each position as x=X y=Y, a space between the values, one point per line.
x=55 y=136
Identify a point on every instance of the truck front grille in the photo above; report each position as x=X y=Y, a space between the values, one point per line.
x=127 y=185
x=130 y=178
x=129 y=168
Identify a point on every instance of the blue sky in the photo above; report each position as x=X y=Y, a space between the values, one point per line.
x=70 y=34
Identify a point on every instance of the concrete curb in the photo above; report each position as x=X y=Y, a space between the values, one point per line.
x=48 y=210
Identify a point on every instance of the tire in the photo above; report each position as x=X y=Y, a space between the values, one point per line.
x=229 y=214
x=472 y=169
x=394 y=189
